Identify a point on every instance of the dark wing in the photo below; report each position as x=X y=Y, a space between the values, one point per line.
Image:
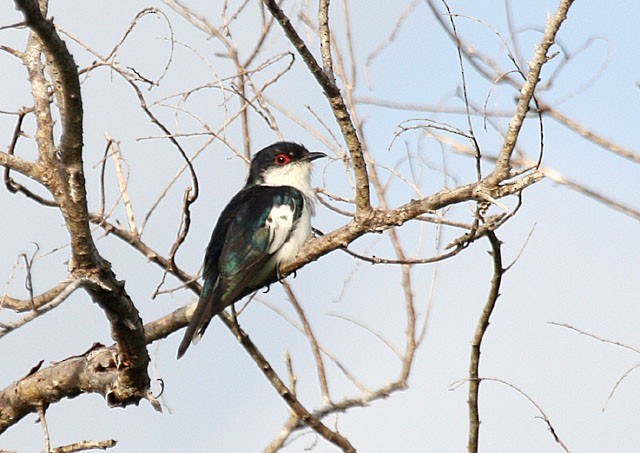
x=253 y=226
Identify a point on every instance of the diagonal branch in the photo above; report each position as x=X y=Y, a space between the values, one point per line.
x=301 y=412
x=39 y=305
x=21 y=306
x=503 y=163
x=326 y=80
x=589 y=134
x=313 y=342
x=384 y=219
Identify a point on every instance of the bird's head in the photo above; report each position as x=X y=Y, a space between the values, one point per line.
x=283 y=164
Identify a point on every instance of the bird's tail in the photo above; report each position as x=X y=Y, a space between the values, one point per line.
x=205 y=310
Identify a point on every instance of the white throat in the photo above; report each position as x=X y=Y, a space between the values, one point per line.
x=296 y=175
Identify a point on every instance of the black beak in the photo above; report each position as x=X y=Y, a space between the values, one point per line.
x=313 y=155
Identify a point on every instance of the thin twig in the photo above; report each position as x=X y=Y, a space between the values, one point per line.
x=595 y=337
x=11 y=185
x=45 y=428
x=313 y=342
x=348 y=374
x=285 y=433
x=543 y=415
x=472 y=136
x=123 y=182
x=379 y=335
x=590 y=135
x=59 y=295
x=302 y=413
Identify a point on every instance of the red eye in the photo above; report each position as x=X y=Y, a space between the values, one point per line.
x=282 y=159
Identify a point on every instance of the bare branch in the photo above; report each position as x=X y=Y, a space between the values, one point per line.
x=149 y=253
x=350 y=376
x=116 y=155
x=86 y=445
x=279 y=442
x=23 y=305
x=39 y=305
x=373 y=332
x=96 y=371
x=45 y=429
x=322 y=375
x=543 y=415
x=590 y=135
x=383 y=219
x=503 y=164
x=325 y=37
x=595 y=337
x=301 y=412
x=68 y=187
x=340 y=111
x=29 y=170
x=13 y=162
x=476 y=343
x=476 y=146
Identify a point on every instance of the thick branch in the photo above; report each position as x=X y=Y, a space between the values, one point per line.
x=126 y=329
x=96 y=371
x=67 y=184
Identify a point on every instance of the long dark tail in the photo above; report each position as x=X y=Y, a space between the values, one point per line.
x=206 y=309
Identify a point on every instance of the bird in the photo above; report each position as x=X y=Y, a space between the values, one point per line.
x=262 y=227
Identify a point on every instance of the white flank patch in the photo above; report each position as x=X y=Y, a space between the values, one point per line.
x=279 y=223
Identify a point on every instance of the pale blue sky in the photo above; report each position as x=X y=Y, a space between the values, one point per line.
x=579 y=267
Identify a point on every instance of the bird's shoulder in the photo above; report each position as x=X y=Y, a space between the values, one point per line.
x=255 y=223
x=252 y=205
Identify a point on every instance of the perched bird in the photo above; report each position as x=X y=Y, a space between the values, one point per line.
x=262 y=227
